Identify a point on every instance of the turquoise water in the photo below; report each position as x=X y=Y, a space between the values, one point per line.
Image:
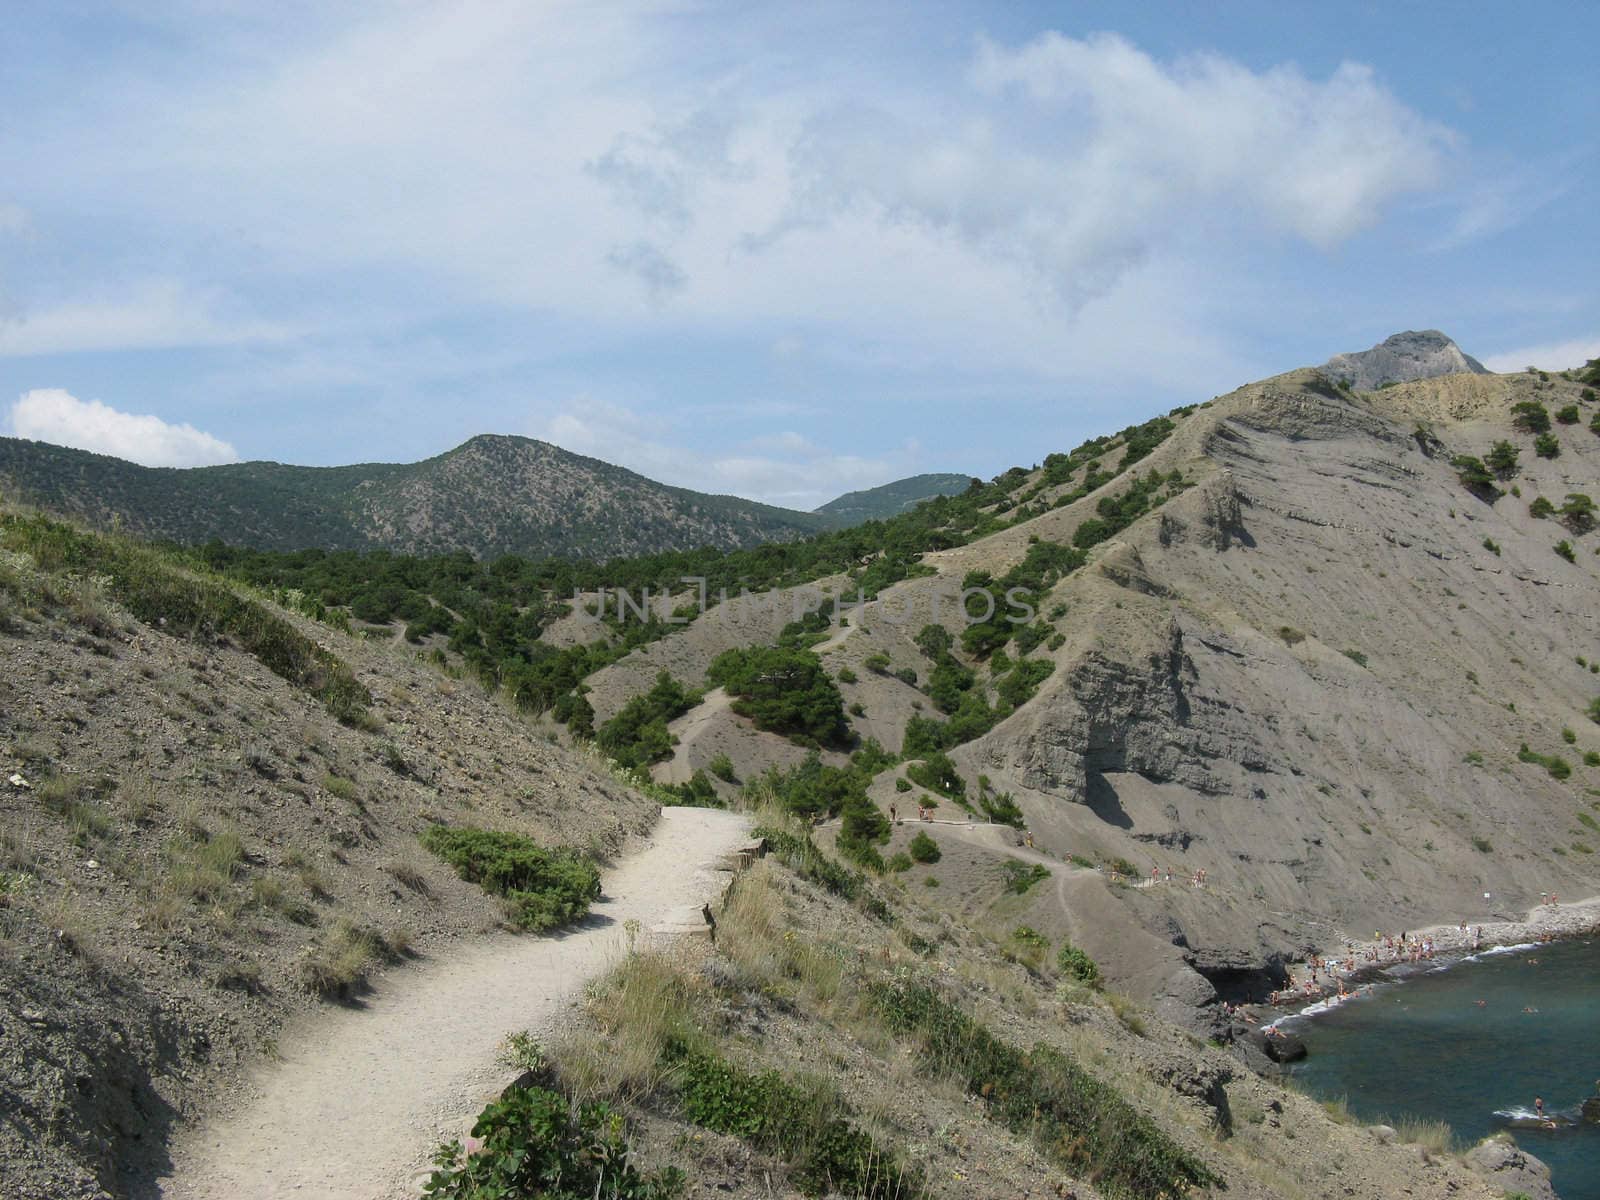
x=1425 y=1048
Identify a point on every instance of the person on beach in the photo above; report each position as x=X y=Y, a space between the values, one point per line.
x=1538 y=1105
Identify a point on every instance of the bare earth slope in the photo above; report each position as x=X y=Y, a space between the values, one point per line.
x=362 y=1096
x=195 y=842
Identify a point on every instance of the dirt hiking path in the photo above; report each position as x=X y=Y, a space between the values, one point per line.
x=362 y=1096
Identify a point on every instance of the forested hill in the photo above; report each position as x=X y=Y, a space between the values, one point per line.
x=491 y=496
x=891 y=499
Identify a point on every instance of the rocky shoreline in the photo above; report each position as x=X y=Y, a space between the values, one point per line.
x=1256 y=1028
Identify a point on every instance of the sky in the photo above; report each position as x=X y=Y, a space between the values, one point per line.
x=779 y=251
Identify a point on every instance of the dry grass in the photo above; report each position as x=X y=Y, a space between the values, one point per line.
x=338 y=966
x=635 y=1010
x=1434 y=1137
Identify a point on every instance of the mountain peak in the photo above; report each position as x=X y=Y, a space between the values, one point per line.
x=1402 y=357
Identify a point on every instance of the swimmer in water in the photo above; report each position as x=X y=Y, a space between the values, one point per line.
x=1482 y=1003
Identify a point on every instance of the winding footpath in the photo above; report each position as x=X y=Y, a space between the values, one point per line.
x=361 y=1096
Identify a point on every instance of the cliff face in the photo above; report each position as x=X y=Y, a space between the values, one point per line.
x=1312 y=677
x=1401 y=358
x=1309 y=672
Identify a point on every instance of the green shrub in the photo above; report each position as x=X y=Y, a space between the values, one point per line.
x=878 y=664
x=1075 y=964
x=542 y=888
x=938 y=774
x=1569 y=736
x=1547 y=445
x=1021 y=876
x=1482 y=845
x=696 y=793
x=537 y=1143
x=900 y=862
x=1491 y=545
x=1553 y=763
x=722 y=767
x=1030 y=937
x=862 y=829
x=1531 y=417
x=1578 y=512
x=902 y=784
x=1475 y=476
x=1594 y=710
x=1541 y=508
x=1356 y=657
x=1565 y=550
x=1502 y=460
x=1567 y=415
x=924 y=849
x=846 y=675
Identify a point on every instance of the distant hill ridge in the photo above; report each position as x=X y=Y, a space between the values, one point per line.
x=490 y=496
x=891 y=499
x=1402 y=358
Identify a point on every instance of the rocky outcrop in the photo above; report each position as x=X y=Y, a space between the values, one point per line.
x=1401 y=358
x=1508 y=1166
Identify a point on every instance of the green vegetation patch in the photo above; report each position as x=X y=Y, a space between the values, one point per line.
x=1021 y=876
x=1075 y=964
x=800 y=1120
x=537 y=1142
x=542 y=888
x=783 y=690
x=637 y=736
x=1083 y=1125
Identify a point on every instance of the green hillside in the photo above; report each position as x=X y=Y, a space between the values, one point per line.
x=491 y=496
x=891 y=499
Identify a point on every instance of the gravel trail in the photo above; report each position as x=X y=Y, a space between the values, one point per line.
x=360 y=1096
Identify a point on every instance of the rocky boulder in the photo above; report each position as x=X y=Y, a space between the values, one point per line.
x=1508 y=1167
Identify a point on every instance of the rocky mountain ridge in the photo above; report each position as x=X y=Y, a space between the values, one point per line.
x=1401 y=358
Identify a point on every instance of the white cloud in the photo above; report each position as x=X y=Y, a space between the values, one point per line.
x=1551 y=356
x=608 y=166
x=152 y=315
x=784 y=469
x=56 y=416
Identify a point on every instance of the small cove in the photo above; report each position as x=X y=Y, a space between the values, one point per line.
x=1428 y=1048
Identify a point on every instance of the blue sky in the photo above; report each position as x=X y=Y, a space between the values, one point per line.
x=781 y=251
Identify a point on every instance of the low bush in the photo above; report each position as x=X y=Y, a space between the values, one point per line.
x=722 y=767
x=1075 y=964
x=542 y=888
x=1021 y=876
x=536 y=1142
x=924 y=849
x=1554 y=763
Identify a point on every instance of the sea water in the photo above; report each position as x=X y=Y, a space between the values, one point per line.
x=1458 y=1044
